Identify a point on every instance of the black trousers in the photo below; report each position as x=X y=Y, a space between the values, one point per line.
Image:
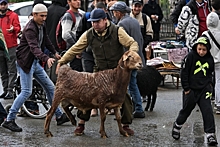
x=3 y=113
x=201 y=98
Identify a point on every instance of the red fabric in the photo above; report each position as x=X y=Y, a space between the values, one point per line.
x=11 y=18
x=202 y=15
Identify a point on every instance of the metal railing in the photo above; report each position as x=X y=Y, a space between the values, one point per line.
x=167 y=30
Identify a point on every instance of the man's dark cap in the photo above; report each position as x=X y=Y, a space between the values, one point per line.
x=97 y=14
x=137 y=2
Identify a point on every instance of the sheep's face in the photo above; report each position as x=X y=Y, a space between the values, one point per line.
x=132 y=60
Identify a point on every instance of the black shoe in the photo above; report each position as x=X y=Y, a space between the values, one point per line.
x=9 y=95
x=211 y=140
x=3 y=95
x=11 y=125
x=176 y=131
x=139 y=114
x=62 y=119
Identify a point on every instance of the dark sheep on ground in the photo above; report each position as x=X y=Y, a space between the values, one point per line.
x=148 y=80
x=104 y=89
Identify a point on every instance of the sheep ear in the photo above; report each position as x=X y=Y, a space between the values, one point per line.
x=125 y=57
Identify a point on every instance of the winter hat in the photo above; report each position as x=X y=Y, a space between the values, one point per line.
x=137 y=2
x=212 y=20
x=39 y=8
x=1 y=1
x=202 y=40
x=97 y=14
x=120 y=6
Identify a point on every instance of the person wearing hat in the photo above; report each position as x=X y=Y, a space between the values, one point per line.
x=145 y=23
x=192 y=20
x=113 y=39
x=10 y=25
x=196 y=79
x=153 y=10
x=29 y=53
x=87 y=55
x=132 y=27
x=213 y=24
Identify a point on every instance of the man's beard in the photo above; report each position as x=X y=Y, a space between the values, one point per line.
x=3 y=11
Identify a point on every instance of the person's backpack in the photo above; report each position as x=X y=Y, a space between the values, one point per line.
x=147 y=38
x=60 y=42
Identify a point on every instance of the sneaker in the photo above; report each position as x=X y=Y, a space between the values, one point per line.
x=211 y=140
x=217 y=110
x=79 y=129
x=11 y=125
x=176 y=131
x=128 y=130
x=139 y=114
x=62 y=119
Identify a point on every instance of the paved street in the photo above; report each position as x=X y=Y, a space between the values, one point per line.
x=152 y=131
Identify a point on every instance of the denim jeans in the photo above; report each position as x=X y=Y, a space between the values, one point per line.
x=26 y=80
x=134 y=92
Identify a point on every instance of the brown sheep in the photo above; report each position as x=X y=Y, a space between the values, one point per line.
x=104 y=89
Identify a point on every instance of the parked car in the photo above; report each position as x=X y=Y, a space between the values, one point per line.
x=23 y=9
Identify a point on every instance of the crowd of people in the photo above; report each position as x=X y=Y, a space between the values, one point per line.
x=96 y=40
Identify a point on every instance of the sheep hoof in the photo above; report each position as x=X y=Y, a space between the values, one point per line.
x=104 y=136
x=124 y=133
x=48 y=134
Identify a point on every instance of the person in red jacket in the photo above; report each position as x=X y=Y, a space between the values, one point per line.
x=10 y=26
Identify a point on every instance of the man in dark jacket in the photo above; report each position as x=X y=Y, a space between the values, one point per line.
x=176 y=12
x=9 y=23
x=132 y=27
x=29 y=53
x=113 y=38
x=192 y=20
x=55 y=12
x=153 y=10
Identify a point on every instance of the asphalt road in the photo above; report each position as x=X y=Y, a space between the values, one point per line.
x=152 y=131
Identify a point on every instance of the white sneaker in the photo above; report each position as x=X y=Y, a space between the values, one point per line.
x=217 y=110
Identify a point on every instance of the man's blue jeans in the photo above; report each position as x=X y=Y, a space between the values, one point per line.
x=135 y=93
x=26 y=80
